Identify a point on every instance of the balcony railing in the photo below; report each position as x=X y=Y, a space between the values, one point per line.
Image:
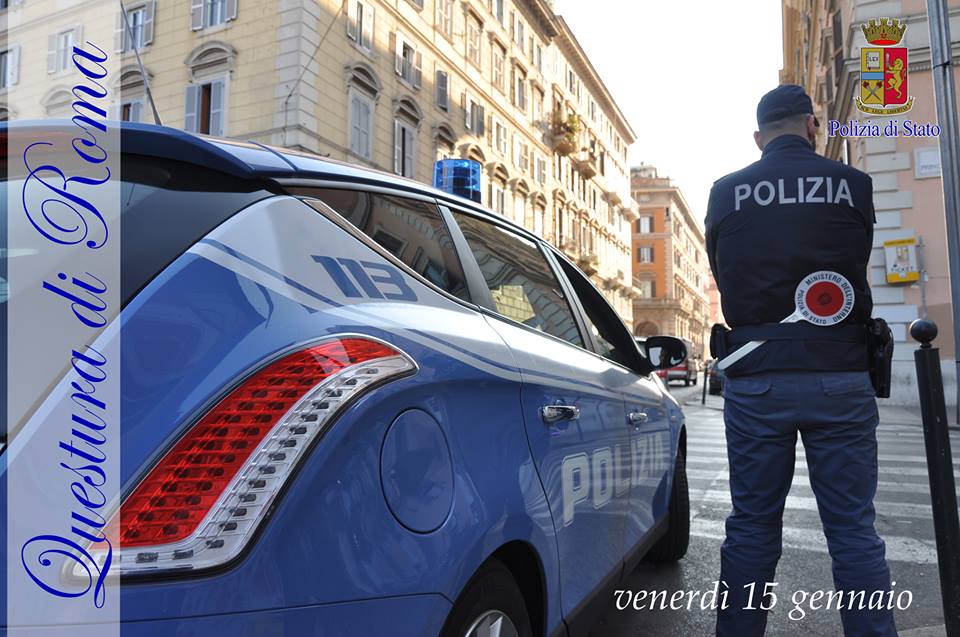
x=586 y=163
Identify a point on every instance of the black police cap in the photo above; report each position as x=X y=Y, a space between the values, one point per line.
x=783 y=101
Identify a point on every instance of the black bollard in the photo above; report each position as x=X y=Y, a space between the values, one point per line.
x=943 y=493
x=706 y=381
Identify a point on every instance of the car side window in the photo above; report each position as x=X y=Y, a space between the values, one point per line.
x=519 y=278
x=411 y=230
x=612 y=337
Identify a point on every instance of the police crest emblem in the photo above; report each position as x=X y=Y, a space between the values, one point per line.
x=883 y=69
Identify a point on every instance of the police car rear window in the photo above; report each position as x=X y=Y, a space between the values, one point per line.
x=413 y=231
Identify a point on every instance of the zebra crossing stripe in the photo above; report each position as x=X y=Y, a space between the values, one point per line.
x=899 y=549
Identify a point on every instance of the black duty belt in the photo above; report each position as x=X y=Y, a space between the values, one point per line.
x=802 y=331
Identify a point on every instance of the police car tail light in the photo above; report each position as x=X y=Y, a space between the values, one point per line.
x=201 y=503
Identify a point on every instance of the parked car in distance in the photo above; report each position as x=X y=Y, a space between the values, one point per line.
x=715 y=378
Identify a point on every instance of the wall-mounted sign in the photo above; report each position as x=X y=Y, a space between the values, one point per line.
x=926 y=162
x=901 y=258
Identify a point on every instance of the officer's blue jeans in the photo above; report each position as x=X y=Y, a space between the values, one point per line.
x=835 y=414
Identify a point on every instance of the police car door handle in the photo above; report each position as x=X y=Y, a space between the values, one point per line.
x=637 y=418
x=556 y=413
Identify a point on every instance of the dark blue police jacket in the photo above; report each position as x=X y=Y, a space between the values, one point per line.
x=771 y=224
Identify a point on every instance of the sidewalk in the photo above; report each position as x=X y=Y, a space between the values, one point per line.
x=889 y=414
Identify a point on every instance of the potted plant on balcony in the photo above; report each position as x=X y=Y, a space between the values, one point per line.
x=564 y=131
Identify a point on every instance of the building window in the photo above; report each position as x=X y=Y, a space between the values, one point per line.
x=205 y=108
x=360 y=20
x=404 y=149
x=443 y=90
x=139 y=33
x=645 y=254
x=445 y=17
x=538 y=56
x=131 y=111
x=498 y=10
x=521 y=153
x=498 y=57
x=363 y=88
x=211 y=13
x=408 y=62
x=540 y=170
x=516 y=30
x=519 y=92
x=9 y=67
x=498 y=196
x=361 y=123
x=538 y=99
x=445 y=142
x=499 y=136
x=474 y=117
x=648 y=289
x=60 y=50
x=645 y=225
x=474 y=40
x=405 y=127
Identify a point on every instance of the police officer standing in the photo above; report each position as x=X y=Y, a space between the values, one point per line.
x=770 y=225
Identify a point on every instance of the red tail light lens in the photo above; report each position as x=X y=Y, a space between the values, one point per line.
x=201 y=502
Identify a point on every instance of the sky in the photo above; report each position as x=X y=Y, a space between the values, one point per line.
x=687 y=74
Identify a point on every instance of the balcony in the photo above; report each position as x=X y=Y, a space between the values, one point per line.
x=564 y=133
x=588 y=262
x=612 y=197
x=586 y=163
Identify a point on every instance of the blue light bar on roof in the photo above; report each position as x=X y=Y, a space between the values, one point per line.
x=459 y=177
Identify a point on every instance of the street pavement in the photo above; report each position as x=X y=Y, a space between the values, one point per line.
x=904 y=520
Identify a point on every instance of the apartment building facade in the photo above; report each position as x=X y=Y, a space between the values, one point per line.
x=670 y=268
x=391 y=84
x=821 y=51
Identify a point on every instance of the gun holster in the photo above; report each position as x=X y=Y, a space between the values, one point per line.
x=718 y=341
x=880 y=352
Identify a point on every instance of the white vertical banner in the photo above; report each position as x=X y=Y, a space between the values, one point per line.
x=61 y=303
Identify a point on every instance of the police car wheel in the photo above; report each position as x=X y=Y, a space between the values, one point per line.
x=673 y=545
x=491 y=605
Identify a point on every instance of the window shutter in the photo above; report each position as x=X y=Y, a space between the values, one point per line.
x=366 y=122
x=353 y=124
x=352 y=26
x=13 y=66
x=216 y=107
x=417 y=69
x=196 y=15
x=467 y=111
x=52 y=53
x=398 y=54
x=149 y=13
x=232 y=9
x=443 y=90
x=397 y=147
x=409 y=155
x=190 y=113
x=367 y=35
x=136 y=110
x=119 y=33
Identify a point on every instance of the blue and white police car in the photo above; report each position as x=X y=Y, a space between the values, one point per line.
x=355 y=405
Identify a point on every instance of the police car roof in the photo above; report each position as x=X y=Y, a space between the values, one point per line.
x=251 y=160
